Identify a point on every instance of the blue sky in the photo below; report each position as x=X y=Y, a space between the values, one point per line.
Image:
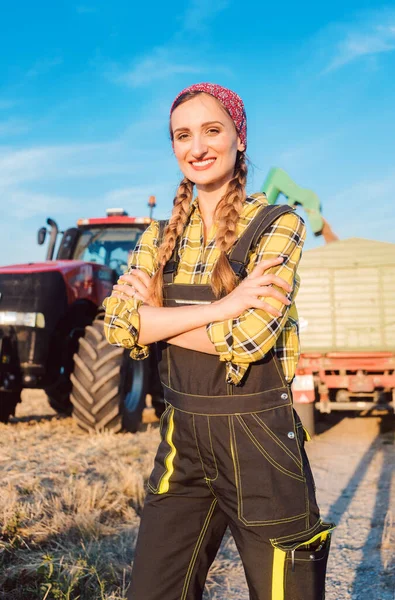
x=85 y=90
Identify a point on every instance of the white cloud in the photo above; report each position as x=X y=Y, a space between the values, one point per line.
x=5 y=104
x=13 y=127
x=364 y=39
x=24 y=204
x=27 y=174
x=366 y=209
x=41 y=67
x=304 y=154
x=51 y=162
x=199 y=12
x=129 y=194
x=371 y=191
x=179 y=56
x=159 y=64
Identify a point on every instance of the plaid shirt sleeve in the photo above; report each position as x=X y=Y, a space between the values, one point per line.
x=248 y=338
x=122 y=319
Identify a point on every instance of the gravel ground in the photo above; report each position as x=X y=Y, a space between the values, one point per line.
x=352 y=459
x=353 y=464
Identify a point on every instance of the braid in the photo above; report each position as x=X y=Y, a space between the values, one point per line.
x=223 y=279
x=173 y=230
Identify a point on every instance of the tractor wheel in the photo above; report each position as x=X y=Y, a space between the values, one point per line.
x=8 y=402
x=59 y=397
x=108 y=388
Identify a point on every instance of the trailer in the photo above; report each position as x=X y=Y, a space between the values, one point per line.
x=346 y=307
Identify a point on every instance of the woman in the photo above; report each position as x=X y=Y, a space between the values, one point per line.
x=216 y=291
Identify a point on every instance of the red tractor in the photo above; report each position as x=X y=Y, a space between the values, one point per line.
x=51 y=327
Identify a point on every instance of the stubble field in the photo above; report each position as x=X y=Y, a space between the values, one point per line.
x=70 y=506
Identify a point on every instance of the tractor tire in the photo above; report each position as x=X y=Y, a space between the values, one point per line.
x=108 y=388
x=59 y=397
x=8 y=402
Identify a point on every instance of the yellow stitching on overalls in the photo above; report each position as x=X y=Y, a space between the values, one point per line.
x=197 y=549
x=306 y=492
x=190 y=412
x=322 y=536
x=273 y=522
x=296 y=536
x=162 y=418
x=227 y=395
x=211 y=488
x=266 y=454
x=236 y=466
x=277 y=440
x=169 y=467
x=297 y=440
x=212 y=450
x=197 y=448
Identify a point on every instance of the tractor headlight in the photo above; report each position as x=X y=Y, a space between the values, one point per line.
x=26 y=319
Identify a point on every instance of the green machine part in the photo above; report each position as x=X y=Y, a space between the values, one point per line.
x=279 y=182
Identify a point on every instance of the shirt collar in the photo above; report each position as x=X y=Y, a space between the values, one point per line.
x=253 y=200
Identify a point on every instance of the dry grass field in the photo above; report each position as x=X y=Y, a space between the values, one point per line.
x=70 y=505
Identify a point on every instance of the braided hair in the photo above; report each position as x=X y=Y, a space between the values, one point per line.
x=223 y=279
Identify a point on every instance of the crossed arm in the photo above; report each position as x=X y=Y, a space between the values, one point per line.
x=257 y=307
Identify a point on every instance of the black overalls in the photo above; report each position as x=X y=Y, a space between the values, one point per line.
x=229 y=456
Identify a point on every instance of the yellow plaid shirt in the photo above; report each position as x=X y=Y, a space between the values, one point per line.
x=240 y=341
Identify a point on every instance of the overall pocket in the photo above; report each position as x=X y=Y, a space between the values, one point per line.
x=159 y=481
x=299 y=571
x=270 y=482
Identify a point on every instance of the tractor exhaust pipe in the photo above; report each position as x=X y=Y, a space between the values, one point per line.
x=53 y=237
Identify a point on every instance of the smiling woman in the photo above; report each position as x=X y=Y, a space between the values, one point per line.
x=214 y=289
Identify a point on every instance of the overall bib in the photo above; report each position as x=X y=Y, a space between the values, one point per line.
x=230 y=456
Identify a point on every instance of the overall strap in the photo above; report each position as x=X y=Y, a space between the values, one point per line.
x=238 y=257
x=170 y=267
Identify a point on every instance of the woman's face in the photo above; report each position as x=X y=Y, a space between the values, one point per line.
x=205 y=141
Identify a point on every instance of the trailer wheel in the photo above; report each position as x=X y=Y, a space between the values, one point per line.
x=8 y=402
x=108 y=388
x=306 y=412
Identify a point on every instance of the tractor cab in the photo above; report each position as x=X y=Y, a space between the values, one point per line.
x=109 y=241
x=106 y=241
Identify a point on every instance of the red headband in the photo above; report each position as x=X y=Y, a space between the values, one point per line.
x=230 y=100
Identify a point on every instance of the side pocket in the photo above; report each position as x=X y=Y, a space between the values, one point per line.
x=271 y=489
x=159 y=481
x=299 y=569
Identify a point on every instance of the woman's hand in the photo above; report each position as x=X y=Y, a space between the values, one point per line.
x=137 y=284
x=249 y=292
